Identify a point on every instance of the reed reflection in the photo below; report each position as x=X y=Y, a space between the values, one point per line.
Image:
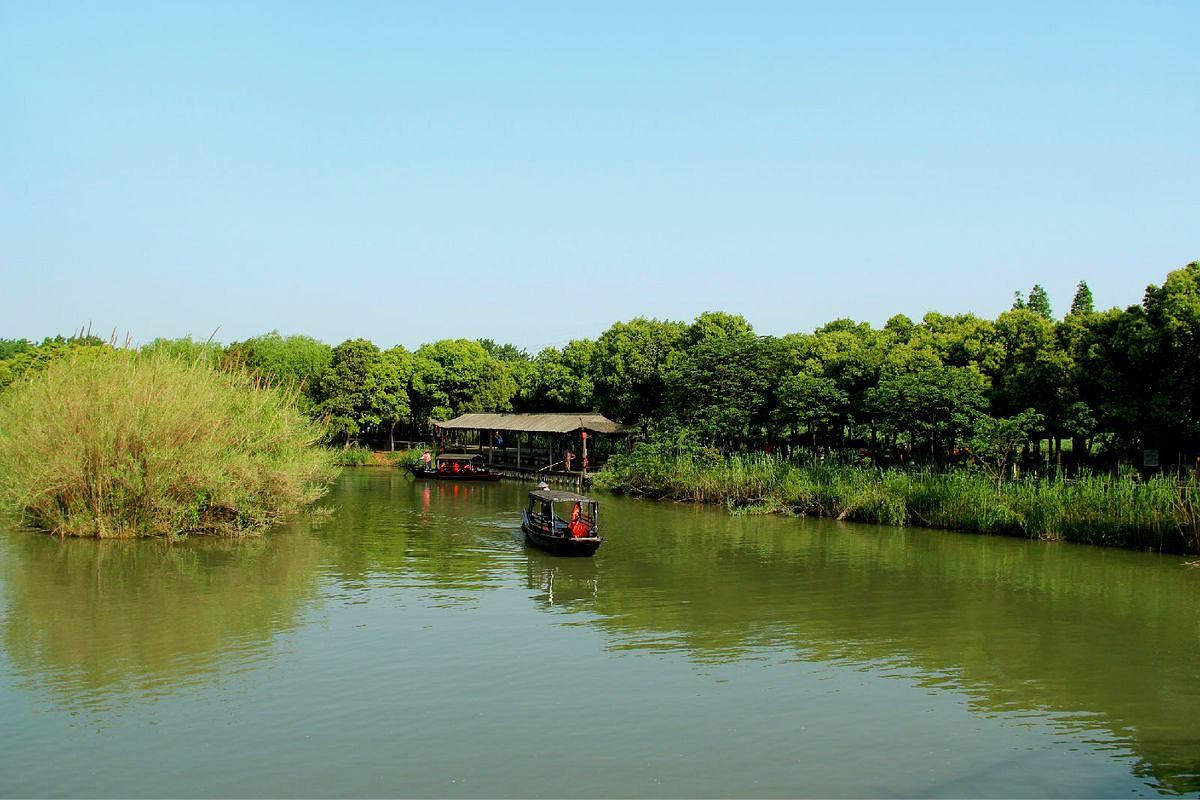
x=99 y=622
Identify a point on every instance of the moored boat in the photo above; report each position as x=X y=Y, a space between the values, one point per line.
x=573 y=533
x=457 y=467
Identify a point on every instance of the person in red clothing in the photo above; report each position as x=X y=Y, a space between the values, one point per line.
x=578 y=526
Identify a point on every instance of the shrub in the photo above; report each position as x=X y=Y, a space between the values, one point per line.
x=112 y=443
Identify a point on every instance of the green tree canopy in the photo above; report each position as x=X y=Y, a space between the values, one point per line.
x=722 y=388
x=454 y=376
x=631 y=363
x=346 y=388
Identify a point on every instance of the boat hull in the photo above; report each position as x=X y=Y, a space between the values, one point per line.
x=434 y=475
x=560 y=545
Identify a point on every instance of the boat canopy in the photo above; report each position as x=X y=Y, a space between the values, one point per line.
x=459 y=457
x=556 y=496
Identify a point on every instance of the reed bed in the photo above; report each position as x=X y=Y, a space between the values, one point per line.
x=355 y=456
x=112 y=443
x=1159 y=513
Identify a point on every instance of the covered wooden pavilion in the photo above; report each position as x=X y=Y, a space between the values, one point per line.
x=533 y=443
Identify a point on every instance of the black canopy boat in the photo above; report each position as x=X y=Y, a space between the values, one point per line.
x=562 y=522
x=457 y=467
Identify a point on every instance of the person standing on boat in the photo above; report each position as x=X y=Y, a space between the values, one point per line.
x=426 y=460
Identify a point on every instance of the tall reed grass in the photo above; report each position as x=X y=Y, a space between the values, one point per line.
x=1159 y=513
x=354 y=456
x=111 y=443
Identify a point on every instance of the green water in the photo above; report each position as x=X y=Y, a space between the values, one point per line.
x=413 y=645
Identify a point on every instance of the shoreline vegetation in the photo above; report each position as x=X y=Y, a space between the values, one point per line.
x=939 y=421
x=109 y=443
x=1160 y=513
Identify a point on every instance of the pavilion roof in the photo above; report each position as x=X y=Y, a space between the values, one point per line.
x=563 y=422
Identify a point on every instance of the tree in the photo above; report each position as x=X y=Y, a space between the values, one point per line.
x=851 y=354
x=11 y=347
x=1077 y=339
x=1117 y=373
x=900 y=328
x=25 y=361
x=961 y=340
x=722 y=387
x=630 y=367
x=1039 y=301
x=345 y=389
x=187 y=349
x=1033 y=372
x=300 y=360
x=1082 y=304
x=560 y=380
x=996 y=441
x=934 y=405
x=716 y=324
x=503 y=352
x=387 y=390
x=454 y=376
x=1173 y=314
x=812 y=400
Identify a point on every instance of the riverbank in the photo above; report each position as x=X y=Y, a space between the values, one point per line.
x=359 y=456
x=1159 y=514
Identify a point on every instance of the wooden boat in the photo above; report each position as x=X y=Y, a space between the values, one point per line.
x=457 y=467
x=573 y=532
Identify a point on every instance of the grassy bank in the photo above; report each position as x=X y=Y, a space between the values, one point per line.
x=112 y=443
x=359 y=456
x=1158 y=513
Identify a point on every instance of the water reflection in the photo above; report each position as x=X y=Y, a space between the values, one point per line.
x=1105 y=643
x=405 y=533
x=563 y=583
x=97 y=622
x=431 y=582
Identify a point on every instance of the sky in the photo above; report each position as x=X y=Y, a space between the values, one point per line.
x=534 y=172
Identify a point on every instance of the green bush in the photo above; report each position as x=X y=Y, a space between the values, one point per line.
x=112 y=443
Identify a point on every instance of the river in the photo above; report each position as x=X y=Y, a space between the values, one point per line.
x=411 y=644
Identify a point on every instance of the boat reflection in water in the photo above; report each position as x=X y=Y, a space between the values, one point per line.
x=563 y=584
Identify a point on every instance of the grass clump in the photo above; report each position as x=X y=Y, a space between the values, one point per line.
x=110 y=443
x=354 y=456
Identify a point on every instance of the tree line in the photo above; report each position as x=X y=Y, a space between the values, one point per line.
x=1092 y=387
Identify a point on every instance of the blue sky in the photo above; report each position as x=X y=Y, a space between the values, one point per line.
x=534 y=172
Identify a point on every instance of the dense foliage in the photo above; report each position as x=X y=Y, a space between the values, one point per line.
x=110 y=442
x=1158 y=514
x=1094 y=388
